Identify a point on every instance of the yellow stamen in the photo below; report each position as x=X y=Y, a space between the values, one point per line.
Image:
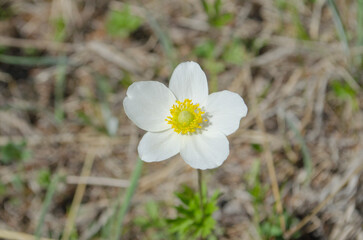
x=186 y=117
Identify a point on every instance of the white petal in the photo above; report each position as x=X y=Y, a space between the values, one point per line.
x=147 y=104
x=158 y=146
x=204 y=151
x=225 y=110
x=189 y=81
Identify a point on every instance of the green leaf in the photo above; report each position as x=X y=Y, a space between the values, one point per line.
x=185 y=195
x=235 y=53
x=122 y=23
x=210 y=208
x=175 y=224
x=208 y=226
x=215 y=17
x=215 y=196
x=141 y=221
x=12 y=152
x=343 y=90
x=221 y=20
x=299 y=26
x=186 y=223
x=152 y=210
x=257 y=147
x=191 y=222
x=198 y=233
x=59 y=29
x=275 y=231
x=214 y=67
x=257 y=193
x=44 y=178
x=183 y=211
x=126 y=80
x=205 y=49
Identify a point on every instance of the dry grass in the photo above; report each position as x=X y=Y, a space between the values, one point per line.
x=312 y=137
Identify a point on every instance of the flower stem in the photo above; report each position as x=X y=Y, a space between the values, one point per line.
x=200 y=188
x=200 y=176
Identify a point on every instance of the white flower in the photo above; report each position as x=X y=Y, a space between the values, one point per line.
x=184 y=118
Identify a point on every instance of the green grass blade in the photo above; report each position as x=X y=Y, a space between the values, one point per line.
x=59 y=92
x=127 y=200
x=32 y=61
x=105 y=230
x=300 y=29
x=164 y=38
x=339 y=25
x=304 y=148
x=48 y=199
x=206 y=7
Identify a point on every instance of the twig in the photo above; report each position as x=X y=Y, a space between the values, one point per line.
x=34 y=140
x=39 y=44
x=86 y=170
x=113 y=55
x=273 y=56
x=269 y=159
x=98 y=181
x=149 y=181
x=308 y=218
x=11 y=235
x=315 y=19
x=103 y=220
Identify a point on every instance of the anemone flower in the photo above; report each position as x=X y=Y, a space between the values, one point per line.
x=184 y=118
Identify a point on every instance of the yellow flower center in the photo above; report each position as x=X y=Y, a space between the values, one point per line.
x=186 y=117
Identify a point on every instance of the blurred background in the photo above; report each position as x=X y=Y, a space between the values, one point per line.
x=67 y=149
